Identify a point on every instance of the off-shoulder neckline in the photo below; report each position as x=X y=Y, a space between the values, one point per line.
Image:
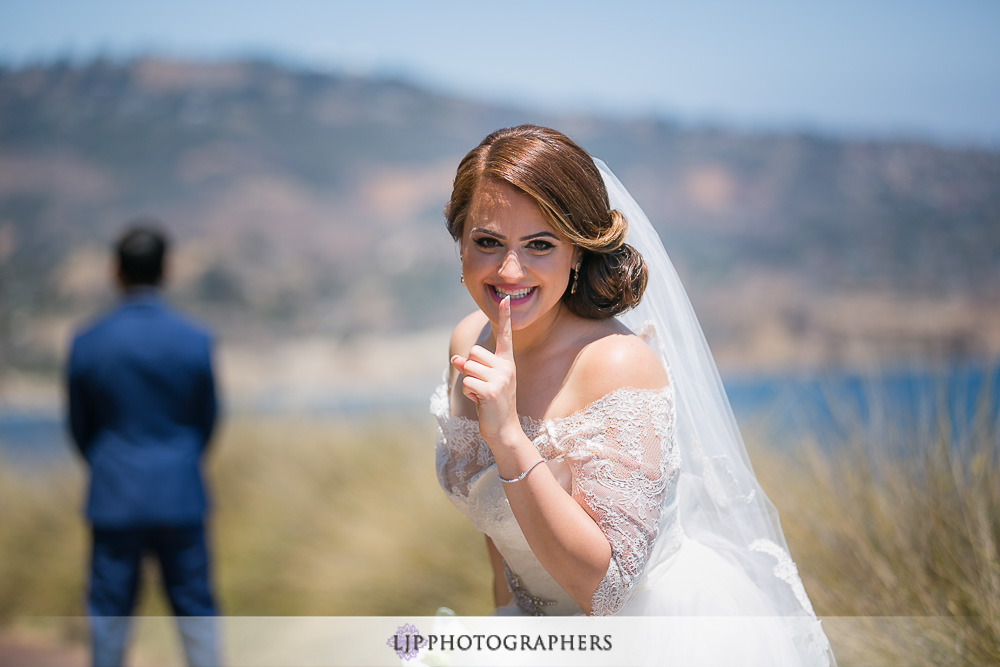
x=662 y=391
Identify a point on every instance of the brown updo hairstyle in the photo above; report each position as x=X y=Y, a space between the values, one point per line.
x=559 y=175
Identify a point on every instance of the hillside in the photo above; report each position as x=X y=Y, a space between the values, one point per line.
x=307 y=207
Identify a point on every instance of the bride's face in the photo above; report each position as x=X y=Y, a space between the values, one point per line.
x=509 y=248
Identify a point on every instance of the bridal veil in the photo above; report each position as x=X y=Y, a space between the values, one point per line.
x=720 y=502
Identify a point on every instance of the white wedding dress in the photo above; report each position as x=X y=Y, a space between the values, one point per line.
x=618 y=458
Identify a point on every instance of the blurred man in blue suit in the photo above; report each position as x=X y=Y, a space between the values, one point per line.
x=142 y=406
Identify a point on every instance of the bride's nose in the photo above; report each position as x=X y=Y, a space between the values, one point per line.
x=511 y=269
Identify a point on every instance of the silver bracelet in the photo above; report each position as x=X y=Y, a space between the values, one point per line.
x=522 y=475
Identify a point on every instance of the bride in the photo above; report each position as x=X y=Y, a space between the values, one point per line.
x=595 y=447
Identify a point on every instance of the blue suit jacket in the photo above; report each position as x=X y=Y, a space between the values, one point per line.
x=142 y=406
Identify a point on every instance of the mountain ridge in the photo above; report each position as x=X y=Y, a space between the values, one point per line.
x=309 y=204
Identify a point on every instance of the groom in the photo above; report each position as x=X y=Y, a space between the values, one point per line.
x=142 y=406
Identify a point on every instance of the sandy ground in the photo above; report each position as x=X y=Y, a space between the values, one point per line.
x=25 y=653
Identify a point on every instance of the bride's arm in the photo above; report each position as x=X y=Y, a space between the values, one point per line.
x=570 y=522
x=566 y=541
x=596 y=541
x=564 y=537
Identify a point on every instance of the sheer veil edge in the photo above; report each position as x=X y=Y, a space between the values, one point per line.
x=720 y=501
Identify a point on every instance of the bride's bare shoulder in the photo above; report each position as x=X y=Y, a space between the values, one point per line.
x=612 y=361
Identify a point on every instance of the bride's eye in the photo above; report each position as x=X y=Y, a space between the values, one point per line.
x=540 y=246
x=486 y=242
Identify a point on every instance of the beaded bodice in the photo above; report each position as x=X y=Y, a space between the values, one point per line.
x=617 y=457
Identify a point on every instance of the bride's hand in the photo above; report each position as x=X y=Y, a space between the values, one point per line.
x=490 y=380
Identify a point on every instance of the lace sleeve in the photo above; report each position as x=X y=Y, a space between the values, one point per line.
x=621 y=474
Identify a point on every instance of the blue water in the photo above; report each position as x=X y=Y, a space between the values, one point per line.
x=957 y=402
x=830 y=408
x=37 y=438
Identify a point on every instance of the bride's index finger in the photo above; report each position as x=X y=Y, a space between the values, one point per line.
x=505 y=335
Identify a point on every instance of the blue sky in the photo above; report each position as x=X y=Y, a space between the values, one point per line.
x=875 y=67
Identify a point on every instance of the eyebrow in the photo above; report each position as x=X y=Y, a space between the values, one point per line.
x=529 y=237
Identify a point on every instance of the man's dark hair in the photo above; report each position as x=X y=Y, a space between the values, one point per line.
x=141 y=250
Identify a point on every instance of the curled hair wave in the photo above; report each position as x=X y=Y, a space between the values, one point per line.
x=609 y=283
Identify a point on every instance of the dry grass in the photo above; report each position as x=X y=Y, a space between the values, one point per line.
x=337 y=518
x=331 y=517
x=904 y=523
x=313 y=517
x=42 y=543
